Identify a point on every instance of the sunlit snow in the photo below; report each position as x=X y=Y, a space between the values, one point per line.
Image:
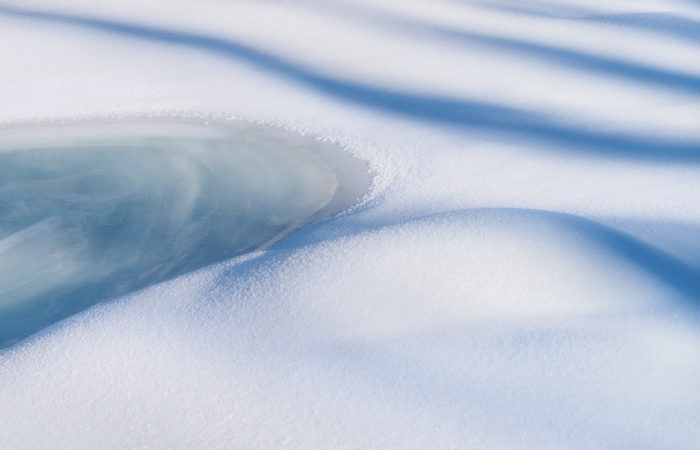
x=523 y=271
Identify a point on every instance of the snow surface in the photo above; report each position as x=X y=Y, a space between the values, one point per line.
x=523 y=273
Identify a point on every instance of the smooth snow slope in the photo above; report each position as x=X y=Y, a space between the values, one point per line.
x=524 y=272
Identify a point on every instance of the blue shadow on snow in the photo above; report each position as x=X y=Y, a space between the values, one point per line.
x=513 y=123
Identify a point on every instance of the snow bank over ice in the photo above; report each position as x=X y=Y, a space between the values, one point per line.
x=437 y=332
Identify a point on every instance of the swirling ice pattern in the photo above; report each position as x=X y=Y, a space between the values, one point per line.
x=83 y=219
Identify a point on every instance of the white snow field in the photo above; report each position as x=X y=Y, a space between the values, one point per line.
x=523 y=273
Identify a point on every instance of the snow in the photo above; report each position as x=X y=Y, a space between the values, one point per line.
x=523 y=272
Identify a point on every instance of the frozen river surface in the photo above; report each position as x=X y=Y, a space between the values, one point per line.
x=93 y=211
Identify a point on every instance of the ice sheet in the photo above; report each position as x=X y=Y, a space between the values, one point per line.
x=92 y=211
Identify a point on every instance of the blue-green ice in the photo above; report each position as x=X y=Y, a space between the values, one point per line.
x=95 y=211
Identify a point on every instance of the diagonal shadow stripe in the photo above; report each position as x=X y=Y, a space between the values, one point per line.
x=663 y=23
x=508 y=122
x=655 y=77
